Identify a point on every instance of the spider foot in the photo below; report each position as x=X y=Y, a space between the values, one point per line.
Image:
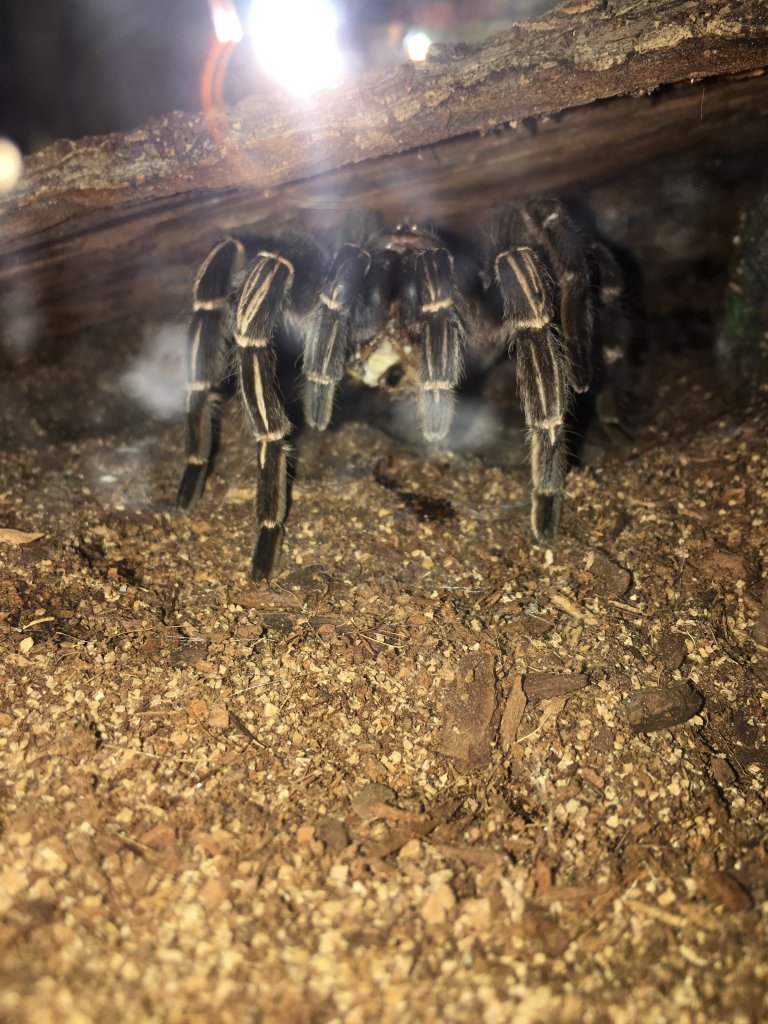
x=437 y=408
x=545 y=516
x=318 y=402
x=191 y=485
x=266 y=552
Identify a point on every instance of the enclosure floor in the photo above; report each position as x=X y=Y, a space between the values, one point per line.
x=431 y=772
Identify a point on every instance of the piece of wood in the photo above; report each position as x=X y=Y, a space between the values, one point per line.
x=545 y=685
x=153 y=248
x=573 y=56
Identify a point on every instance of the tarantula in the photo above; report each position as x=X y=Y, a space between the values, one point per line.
x=527 y=282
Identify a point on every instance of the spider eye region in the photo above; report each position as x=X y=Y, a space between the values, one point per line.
x=408 y=236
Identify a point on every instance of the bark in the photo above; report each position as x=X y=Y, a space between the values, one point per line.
x=582 y=52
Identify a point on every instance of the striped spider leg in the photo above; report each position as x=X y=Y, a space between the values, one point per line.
x=260 y=302
x=566 y=254
x=441 y=328
x=540 y=276
x=326 y=336
x=593 y=317
x=209 y=365
x=231 y=339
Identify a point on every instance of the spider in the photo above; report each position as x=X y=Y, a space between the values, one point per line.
x=526 y=281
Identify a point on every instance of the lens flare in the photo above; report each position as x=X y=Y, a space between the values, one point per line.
x=296 y=44
x=226 y=21
x=228 y=33
x=10 y=165
x=417 y=45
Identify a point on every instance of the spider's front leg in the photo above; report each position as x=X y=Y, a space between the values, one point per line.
x=440 y=327
x=542 y=377
x=328 y=330
x=259 y=307
x=208 y=365
x=567 y=258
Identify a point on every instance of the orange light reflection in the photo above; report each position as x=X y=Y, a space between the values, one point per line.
x=228 y=34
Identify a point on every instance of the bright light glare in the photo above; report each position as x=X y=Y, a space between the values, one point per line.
x=226 y=22
x=295 y=43
x=417 y=45
x=10 y=165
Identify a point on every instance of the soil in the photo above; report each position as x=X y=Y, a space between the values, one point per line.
x=431 y=771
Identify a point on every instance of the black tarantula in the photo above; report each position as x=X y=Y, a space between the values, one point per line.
x=527 y=283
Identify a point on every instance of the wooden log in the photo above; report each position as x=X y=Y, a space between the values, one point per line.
x=581 y=52
x=559 y=105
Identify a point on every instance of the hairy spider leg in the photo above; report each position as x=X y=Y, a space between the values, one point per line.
x=209 y=367
x=542 y=377
x=376 y=296
x=613 y=335
x=259 y=307
x=440 y=329
x=327 y=333
x=566 y=255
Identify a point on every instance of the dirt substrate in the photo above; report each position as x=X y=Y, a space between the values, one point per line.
x=432 y=772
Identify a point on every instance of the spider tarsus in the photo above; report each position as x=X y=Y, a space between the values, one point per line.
x=318 y=403
x=266 y=552
x=191 y=486
x=437 y=409
x=545 y=516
